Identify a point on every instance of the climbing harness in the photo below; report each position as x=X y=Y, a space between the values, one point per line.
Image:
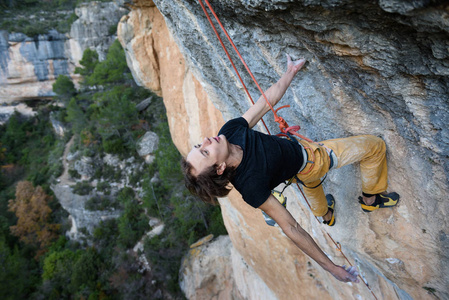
x=295 y=178
x=283 y=126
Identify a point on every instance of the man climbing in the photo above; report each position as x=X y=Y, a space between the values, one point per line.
x=255 y=163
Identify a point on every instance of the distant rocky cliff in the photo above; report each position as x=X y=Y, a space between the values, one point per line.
x=374 y=67
x=30 y=65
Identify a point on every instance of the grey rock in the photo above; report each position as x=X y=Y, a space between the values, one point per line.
x=45 y=48
x=144 y=104
x=54 y=54
x=80 y=217
x=4 y=118
x=147 y=144
x=155 y=179
x=130 y=160
x=4 y=56
x=402 y=7
x=58 y=127
x=85 y=167
x=111 y=160
x=6 y=111
x=17 y=37
x=91 y=29
x=72 y=156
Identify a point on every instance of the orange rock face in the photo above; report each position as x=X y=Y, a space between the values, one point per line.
x=158 y=64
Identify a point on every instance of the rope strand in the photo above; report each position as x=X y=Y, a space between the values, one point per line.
x=282 y=123
x=227 y=53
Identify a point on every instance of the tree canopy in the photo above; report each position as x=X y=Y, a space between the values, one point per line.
x=33 y=216
x=64 y=88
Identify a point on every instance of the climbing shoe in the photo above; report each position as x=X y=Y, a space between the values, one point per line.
x=381 y=201
x=330 y=205
x=282 y=200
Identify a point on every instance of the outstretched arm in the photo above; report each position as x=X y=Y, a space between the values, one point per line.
x=274 y=93
x=304 y=241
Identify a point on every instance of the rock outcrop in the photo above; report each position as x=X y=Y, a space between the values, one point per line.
x=30 y=65
x=81 y=214
x=147 y=145
x=80 y=217
x=373 y=68
x=158 y=64
x=94 y=28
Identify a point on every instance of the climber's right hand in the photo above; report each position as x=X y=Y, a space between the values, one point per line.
x=346 y=275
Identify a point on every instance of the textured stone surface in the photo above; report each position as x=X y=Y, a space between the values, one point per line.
x=58 y=126
x=7 y=110
x=144 y=104
x=157 y=63
x=209 y=268
x=85 y=167
x=215 y=270
x=92 y=28
x=373 y=68
x=74 y=204
x=30 y=65
x=147 y=144
x=80 y=217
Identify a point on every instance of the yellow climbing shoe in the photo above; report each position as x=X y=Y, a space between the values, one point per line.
x=381 y=201
x=282 y=199
x=330 y=206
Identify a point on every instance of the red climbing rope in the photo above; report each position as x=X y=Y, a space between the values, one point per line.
x=283 y=126
x=226 y=50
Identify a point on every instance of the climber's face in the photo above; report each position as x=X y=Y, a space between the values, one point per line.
x=213 y=150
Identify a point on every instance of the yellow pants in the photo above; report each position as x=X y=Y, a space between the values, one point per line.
x=369 y=150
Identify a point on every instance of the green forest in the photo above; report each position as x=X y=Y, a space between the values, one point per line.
x=37 y=260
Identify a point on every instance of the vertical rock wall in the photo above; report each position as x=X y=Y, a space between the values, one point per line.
x=373 y=68
x=157 y=63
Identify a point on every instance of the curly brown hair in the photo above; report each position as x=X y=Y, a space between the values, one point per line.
x=208 y=185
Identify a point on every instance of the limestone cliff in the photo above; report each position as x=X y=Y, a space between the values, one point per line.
x=30 y=65
x=373 y=68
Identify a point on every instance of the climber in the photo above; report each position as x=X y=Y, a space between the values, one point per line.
x=255 y=163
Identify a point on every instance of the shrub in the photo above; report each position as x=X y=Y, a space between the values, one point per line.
x=105 y=234
x=54 y=159
x=113 y=69
x=100 y=203
x=74 y=174
x=136 y=177
x=114 y=146
x=64 y=88
x=112 y=29
x=82 y=188
x=88 y=64
x=85 y=271
x=58 y=265
x=167 y=157
x=75 y=116
x=103 y=186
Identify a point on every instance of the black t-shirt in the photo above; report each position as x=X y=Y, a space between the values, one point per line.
x=267 y=160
